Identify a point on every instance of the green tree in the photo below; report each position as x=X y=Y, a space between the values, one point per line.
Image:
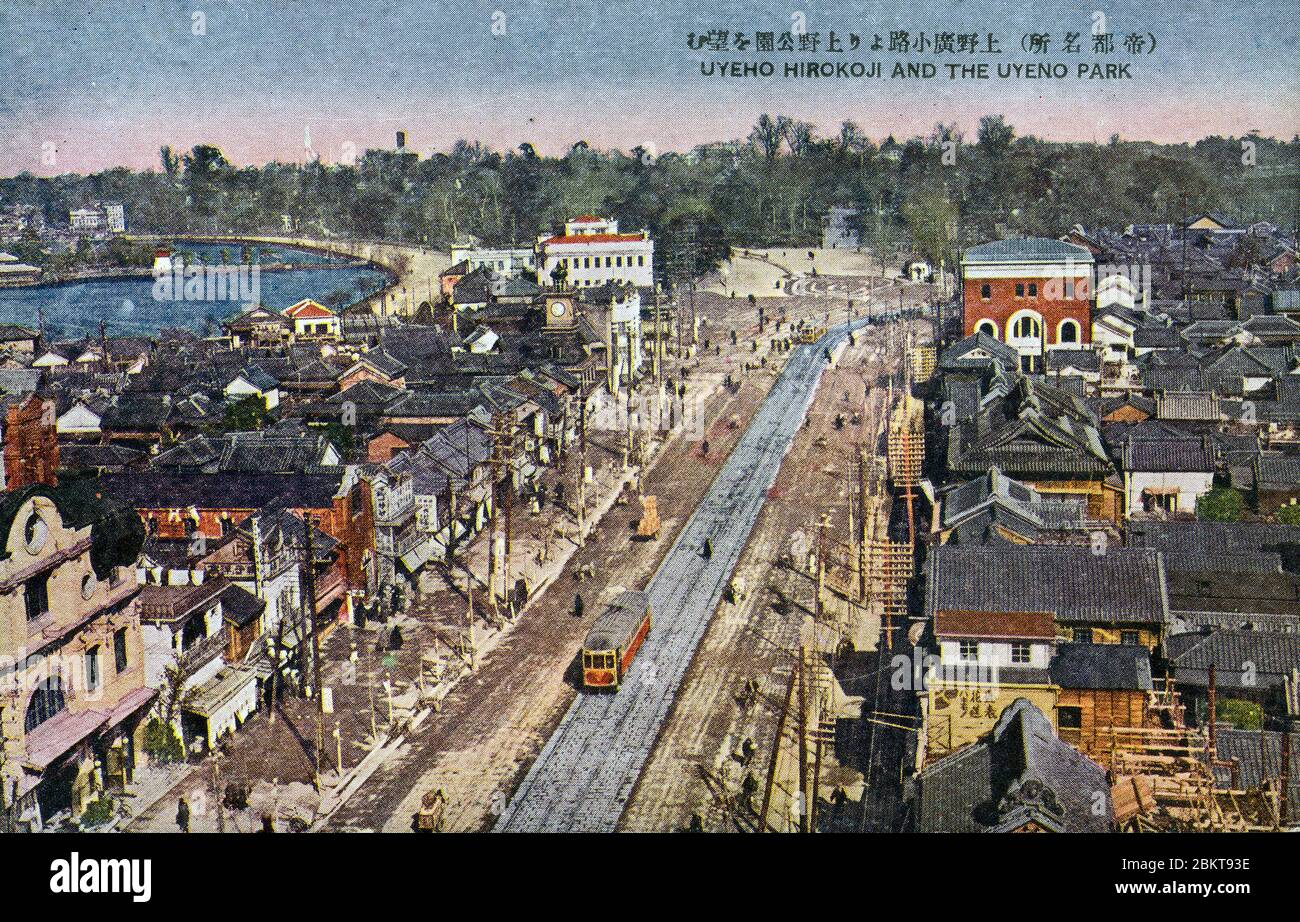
x=995 y=135
x=1289 y=514
x=246 y=414
x=161 y=744
x=1221 y=504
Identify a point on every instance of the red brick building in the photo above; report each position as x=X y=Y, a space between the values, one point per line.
x=30 y=444
x=1033 y=294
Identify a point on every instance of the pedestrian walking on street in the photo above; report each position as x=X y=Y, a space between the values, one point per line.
x=182 y=815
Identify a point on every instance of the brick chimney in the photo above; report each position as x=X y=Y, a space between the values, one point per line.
x=31 y=444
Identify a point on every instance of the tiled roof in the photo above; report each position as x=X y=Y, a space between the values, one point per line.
x=1242 y=659
x=1027 y=249
x=171 y=603
x=1079 y=586
x=162 y=490
x=256 y=377
x=1013 y=625
x=1231 y=590
x=1208 y=539
x=1276 y=471
x=239 y=606
x=1078 y=359
x=985 y=349
x=1018 y=774
x=1257 y=757
x=589 y=239
x=308 y=309
x=1182 y=456
x=1157 y=337
x=1031 y=430
x=1102 y=666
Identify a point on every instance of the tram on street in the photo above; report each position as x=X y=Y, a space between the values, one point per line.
x=614 y=639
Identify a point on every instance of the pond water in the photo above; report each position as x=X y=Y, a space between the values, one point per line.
x=128 y=306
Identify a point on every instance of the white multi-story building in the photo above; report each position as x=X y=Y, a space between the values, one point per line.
x=501 y=260
x=86 y=219
x=115 y=217
x=593 y=252
x=109 y=216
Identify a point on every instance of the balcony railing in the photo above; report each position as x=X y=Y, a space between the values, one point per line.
x=205 y=651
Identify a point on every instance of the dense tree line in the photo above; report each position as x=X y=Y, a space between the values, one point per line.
x=936 y=192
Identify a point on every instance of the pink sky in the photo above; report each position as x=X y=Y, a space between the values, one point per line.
x=119 y=135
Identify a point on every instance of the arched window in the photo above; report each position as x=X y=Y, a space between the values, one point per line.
x=1026 y=327
x=46 y=701
x=987 y=327
x=1068 y=332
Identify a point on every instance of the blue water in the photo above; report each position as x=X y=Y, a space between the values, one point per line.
x=210 y=253
x=128 y=306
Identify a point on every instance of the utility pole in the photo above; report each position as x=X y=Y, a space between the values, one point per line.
x=105 y=364
x=862 y=533
x=776 y=748
x=582 y=473
x=216 y=791
x=315 y=645
x=499 y=561
x=803 y=742
x=659 y=338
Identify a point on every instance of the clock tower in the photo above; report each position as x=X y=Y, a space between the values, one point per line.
x=561 y=311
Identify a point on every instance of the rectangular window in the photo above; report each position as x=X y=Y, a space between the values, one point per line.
x=119 y=649
x=92 y=669
x=1083 y=635
x=1033 y=289
x=1020 y=653
x=586 y=262
x=640 y=260
x=1069 y=718
x=36 y=595
x=1020 y=289
x=968 y=651
x=1129 y=637
x=986 y=291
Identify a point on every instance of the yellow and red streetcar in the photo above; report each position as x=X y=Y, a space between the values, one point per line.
x=614 y=639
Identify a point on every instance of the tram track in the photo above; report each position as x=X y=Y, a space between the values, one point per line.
x=585 y=773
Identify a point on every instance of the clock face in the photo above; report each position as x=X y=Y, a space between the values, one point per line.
x=557 y=308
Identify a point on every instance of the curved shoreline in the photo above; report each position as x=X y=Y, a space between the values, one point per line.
x=417 y=270
x=140 y=272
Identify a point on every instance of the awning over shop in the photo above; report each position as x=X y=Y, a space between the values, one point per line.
x=210 y=697
x=417 y=557
x=132 y=703
x=61 y=733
